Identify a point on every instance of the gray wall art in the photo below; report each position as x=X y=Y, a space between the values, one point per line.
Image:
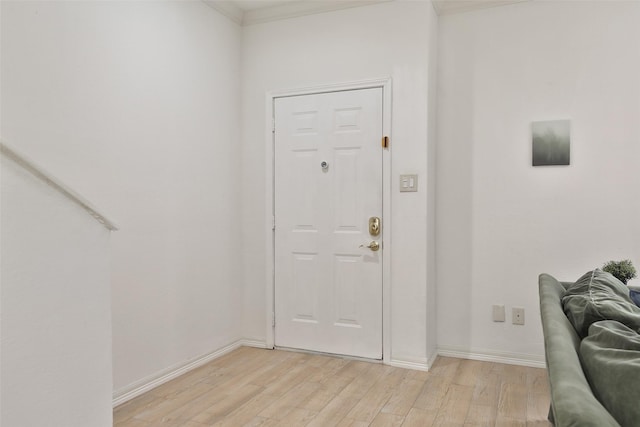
x=551 y=142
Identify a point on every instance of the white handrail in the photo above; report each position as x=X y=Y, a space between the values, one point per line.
x=57 y=184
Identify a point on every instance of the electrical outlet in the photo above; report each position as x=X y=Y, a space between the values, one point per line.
x=517 y=316
x=498 y=313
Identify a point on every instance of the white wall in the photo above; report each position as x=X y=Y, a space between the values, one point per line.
x=501 y=221
x=135 y=105
x=384 y=40
x=56 y=308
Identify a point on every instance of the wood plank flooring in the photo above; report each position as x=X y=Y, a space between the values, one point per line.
x=254 y=387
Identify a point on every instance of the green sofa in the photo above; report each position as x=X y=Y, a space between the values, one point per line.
x=593 y=379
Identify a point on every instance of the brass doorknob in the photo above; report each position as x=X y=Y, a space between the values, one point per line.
x=374 y=246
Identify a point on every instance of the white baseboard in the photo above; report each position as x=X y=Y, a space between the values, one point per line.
x=152 y=381
x=253 y=343
x=531 y=360
x=431 y=360
x=421 y=364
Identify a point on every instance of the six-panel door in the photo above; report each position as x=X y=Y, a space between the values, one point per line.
x=328 y=183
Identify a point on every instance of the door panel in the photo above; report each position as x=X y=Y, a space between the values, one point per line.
x=328 y=289
x=305 y=285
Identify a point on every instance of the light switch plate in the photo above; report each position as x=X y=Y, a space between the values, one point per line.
x=408 y=183
x=498 y=313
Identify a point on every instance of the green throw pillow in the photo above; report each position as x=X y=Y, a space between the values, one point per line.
x=610 y=356
x=596 y=296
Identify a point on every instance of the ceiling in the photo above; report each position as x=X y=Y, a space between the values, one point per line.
x=247 y=12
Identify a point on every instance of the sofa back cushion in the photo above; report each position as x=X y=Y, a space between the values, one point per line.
x=610 y=356
x=596 y=296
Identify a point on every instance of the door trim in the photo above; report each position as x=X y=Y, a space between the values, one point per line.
x=385 y=85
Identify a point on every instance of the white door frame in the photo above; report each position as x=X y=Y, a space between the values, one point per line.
x=271 y=96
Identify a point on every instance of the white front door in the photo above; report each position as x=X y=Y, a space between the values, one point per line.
x=328 y=184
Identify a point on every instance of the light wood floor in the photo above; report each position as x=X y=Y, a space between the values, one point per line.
x=254 y=387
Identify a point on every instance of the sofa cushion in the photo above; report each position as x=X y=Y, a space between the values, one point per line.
x=610 y=356
x=596 y=296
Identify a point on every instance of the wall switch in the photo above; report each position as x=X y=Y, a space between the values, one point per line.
x=517 y=316
x=408 y=183
x=498 y=313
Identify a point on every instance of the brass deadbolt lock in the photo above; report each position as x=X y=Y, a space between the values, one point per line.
x=374 y=226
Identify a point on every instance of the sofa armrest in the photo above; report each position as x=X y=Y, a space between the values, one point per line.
x=572 y=401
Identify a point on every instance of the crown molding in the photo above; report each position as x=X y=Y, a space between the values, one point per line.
x=297 y=9
x=227 y=8
x=294 y=9
x=449 y=7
